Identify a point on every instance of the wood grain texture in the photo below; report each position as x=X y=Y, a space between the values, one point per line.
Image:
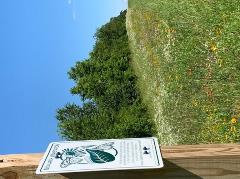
x=221 y=161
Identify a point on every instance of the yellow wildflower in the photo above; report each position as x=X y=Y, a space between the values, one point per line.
x=213 y=47
x=233 y=129
x=172 y=30
x=234 y=120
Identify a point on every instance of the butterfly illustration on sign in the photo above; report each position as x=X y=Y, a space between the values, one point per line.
x=87 y=154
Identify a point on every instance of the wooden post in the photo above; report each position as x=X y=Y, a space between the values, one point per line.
x=215 y=161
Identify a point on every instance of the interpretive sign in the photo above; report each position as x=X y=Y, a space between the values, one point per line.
x=98 y=155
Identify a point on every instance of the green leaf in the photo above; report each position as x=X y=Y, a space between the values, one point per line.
x=98 y=156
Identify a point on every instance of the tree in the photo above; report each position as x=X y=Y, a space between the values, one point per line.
x=106 y=83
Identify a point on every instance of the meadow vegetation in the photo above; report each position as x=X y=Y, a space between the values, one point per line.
x=186 y=55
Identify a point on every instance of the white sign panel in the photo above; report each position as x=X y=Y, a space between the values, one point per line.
x=98 y=155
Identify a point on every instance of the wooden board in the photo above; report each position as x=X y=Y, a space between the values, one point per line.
x=221 y=161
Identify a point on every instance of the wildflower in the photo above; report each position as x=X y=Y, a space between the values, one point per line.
x=233 y=129
x=234 y=120
x=213 y=47
x=172 y=30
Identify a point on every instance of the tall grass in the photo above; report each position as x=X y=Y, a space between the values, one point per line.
x=186 y=55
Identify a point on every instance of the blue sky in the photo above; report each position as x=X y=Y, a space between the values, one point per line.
x=40 y=41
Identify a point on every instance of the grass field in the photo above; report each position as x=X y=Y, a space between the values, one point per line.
x=186 y=55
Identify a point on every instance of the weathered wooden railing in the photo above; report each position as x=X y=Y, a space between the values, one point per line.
x=186 y=161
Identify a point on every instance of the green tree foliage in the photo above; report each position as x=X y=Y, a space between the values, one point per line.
x=106 y=83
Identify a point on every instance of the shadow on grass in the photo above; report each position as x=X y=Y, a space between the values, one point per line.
x=169 y=171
